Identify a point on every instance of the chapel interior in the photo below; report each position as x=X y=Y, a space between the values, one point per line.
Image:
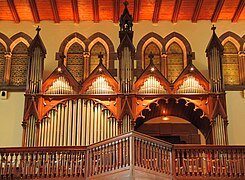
x=122 y=89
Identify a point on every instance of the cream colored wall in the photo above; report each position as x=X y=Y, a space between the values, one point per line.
x=198 y=35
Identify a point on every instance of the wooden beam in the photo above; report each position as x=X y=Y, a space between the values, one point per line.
x=116 y=10
x=176 y=11
x=55 y=11
x=34 y=11
x=238 y=11
x=136 y=10
x=156 y=11
x=75 y=11
x=197 y=11
x=13 y=11
x=217 y=10
x=96 y=11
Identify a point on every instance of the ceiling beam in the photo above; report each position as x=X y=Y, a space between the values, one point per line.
x=156 y=11
x=13 y=11
x=176 y=11
x=136 y=10
x=116 y=10
x=55 y=11
x=217 y=10
x=197 y=11
x=96 y=11
x=238 y=11
x=34 y=11
x=75 y=11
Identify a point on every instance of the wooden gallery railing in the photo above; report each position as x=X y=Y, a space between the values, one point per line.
x=209 y=161
x=128 y=151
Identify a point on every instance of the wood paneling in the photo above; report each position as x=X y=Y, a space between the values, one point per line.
x=98 y=10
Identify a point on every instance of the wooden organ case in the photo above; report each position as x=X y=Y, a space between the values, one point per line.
x=64 y=112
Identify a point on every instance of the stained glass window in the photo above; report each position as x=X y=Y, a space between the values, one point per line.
x=175 y=61
x=95 y=51
x=230 y=64
x=75 y=61
x=19 y=65
x=152 y=47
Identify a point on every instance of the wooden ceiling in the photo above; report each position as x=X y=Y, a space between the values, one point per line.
x=98 y=10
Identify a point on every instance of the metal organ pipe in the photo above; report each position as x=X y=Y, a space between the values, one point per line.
x=78 y=122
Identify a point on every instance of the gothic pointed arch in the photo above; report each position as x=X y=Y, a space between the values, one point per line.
x=144 y=41
x=108 y=45
x=232 y=62
x=19 y=60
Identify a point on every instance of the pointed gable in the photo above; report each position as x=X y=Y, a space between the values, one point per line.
x=100 y=81
x=151 y=81
x=37 y=42
x=214 y=43
x=60 y=82
x=191 y=81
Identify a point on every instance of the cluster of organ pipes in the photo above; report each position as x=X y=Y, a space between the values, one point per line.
x=60 y=86
x=30 y=138
x=126 y=124
x=152 y=86
x=126 y=71
x=35 y=72
x=191 y=85
x=100 y=86
x=215 y=71
x=219 y=130
x=78 y=122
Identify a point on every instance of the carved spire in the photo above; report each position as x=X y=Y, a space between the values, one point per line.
x=126 y=19
x=214 y=42
x=100 y=56
x=151 y=56
x=37 y=42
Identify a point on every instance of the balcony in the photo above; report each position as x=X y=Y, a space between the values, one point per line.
x=129 y=156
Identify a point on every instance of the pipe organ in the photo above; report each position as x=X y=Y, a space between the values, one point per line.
x=152 y=86
x=64 y=112
x=100 y=86
x=191 y=85
x=60 y=86
x=78 y=122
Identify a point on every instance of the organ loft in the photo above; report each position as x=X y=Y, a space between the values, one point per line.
x=82 y=102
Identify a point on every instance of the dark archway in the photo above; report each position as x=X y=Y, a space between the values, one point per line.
x=179 y=108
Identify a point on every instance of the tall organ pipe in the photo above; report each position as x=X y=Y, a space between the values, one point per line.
x=77 y=123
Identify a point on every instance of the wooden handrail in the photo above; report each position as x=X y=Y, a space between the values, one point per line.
x=120 y=152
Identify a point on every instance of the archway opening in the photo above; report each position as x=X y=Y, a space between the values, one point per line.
x=185 y=123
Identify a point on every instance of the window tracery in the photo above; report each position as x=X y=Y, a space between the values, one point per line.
x=2 y=63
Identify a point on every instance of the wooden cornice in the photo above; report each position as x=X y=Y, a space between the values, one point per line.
x=238 y=11
x=197 y=11
x=217 y=10
x=55 y=11
x=34 y=11
x=116 y=10
x=13 y=11
x=75 y=11
x=96 y=11
x=176 y=11
x=136 y=10
x=156 y=11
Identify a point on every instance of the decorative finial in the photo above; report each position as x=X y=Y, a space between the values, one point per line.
x=100 y=56
x=38 y=29
x=213 y=28
x=125 y=3
x=151 y=56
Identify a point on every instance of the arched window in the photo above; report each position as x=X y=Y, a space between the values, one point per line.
x=75 y=61
x=175 y=61
x=95 y=51
x=154 y=49
x=230 y=64
x=19 y=65
x=2 y=63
